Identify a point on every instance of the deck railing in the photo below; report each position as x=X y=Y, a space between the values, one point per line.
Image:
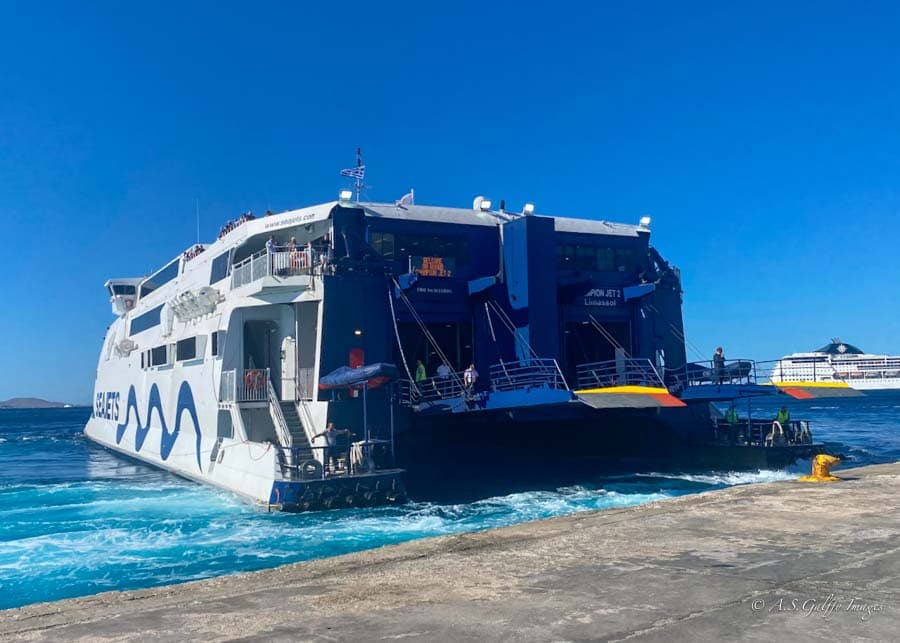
x=432 y=389
x=505 y=376
x=530 y=373
x=732 y=371
x=763 y=432
x=280 y=263
x=628 y=371
x=244 y=385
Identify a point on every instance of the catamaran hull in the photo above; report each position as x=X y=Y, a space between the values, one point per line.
x=245 y=469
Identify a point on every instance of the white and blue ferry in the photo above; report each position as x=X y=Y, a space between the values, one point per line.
x=451 y=342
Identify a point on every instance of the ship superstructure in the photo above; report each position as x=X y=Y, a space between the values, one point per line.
x=451 y=342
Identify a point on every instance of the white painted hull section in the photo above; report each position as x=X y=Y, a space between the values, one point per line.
x=171 y=413
x=246 y=468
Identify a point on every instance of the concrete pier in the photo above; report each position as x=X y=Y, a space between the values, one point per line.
x=778 y=561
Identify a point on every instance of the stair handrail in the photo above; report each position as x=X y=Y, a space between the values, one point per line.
x=306 y=421
x=284 y=435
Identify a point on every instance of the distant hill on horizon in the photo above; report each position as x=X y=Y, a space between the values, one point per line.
x=31 y=403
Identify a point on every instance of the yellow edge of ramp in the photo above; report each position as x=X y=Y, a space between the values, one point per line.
x=809 y=384
x=629 y=397
x=640 y=390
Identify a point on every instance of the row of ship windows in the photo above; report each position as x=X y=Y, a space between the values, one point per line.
x=598 y=258
x=571 y=256
x=183 y=350
x=400 y=246
x=218 y=272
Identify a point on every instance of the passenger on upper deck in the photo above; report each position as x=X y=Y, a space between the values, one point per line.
x=718 y=365
x=190 y=253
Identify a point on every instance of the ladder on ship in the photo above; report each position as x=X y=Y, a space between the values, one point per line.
x=293 y=434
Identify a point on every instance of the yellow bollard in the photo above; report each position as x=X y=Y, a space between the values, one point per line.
x=821 y=469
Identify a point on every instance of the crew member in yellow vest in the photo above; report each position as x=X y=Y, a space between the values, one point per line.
x=731 y=416
x=420 y=371
x=784 y=419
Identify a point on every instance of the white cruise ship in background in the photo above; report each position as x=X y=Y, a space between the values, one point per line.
x=839 y=363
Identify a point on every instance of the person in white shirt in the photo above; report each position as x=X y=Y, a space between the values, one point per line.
x=470 y=376
x=441 y=384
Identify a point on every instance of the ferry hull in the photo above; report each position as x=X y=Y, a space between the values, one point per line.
x=480 y=454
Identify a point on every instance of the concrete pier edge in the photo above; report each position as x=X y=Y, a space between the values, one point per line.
x=769 y=561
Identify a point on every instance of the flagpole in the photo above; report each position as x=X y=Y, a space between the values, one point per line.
x=358 y=172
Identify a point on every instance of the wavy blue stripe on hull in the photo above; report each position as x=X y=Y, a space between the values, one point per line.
x=154 y=403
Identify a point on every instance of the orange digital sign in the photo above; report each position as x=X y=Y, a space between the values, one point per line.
x=432 y=266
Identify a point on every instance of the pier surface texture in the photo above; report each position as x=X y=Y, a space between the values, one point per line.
x=781 y=561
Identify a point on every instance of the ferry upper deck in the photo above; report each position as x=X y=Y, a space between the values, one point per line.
x=419 y=286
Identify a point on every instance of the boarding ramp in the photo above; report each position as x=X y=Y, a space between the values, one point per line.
x=625 y=382
x=627 y=371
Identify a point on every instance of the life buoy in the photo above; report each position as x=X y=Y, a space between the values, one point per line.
x=254 y=379
x=310 y=470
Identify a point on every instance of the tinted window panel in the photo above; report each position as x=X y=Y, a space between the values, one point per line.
x=158 y=356
x=161 y=278
x=219 y=269
x=145 y=321
x=123 y=290
x=186 y=349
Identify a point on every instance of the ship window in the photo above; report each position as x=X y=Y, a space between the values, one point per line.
x=605 y=259
x=216 y=340
x=186 y=349
x=383 y=243
x=624 y=259
x=123 y=289
x=160 y=278
x=159 y=355
x=576 y=257
x=148 y=320
x=405 y=245
x=219 y=269
x=142 y=359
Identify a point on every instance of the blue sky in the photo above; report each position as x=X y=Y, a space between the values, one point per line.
x=763 y=141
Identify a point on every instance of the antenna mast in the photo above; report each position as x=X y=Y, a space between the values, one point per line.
x=197 y=203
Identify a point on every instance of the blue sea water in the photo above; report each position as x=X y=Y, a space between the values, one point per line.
x=76 y=519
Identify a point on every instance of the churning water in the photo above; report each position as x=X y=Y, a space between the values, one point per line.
x=75 y=519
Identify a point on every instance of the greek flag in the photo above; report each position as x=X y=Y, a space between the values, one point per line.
x=358 y=172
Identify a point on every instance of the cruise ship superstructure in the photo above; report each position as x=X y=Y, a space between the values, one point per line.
x=227 y=366
x=841 y=365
